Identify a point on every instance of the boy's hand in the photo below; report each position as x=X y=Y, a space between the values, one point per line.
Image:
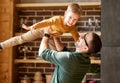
x=27 y=27
x=50 y=31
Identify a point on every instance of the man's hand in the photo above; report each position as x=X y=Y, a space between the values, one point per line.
x=27 y=27
x=52 y=32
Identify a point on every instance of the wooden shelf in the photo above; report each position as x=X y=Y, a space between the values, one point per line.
x=95 y=61
x=69 y=34
x=25 y=5
x=30 y=61
x=43 y=61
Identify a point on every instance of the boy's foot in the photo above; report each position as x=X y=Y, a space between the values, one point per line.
x=0 y=47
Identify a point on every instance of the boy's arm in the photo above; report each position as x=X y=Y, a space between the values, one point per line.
x=27 y=27
x=75 y=34
x=43 y=23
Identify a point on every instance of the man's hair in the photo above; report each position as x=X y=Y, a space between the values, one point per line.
x=95 y=44
x=75 y=8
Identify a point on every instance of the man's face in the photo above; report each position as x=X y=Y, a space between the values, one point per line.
x=70 y=18
x=82 y=42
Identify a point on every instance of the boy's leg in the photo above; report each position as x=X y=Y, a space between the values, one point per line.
x=26 y=37
x=0 y=47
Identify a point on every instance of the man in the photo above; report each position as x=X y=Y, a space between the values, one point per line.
x=70 y=66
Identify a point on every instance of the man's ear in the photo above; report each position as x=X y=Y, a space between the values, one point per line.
x=86 y=49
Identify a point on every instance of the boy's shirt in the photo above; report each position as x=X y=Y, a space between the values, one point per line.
x=56 y=23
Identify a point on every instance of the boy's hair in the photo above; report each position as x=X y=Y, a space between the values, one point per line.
x=95 y=44
x=75 y=8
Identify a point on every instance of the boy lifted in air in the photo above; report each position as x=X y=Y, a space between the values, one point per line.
x=58 y=25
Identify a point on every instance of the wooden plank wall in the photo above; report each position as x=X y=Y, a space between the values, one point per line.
x=6 y=19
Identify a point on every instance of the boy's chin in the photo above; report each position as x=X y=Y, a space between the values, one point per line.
x=69 y=25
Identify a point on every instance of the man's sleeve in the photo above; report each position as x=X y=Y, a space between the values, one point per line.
x=55 y=57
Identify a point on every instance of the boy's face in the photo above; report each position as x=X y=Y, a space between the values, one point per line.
x=70 y=18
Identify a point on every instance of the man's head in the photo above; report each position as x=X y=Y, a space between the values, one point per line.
x=72 y=14
x=89 y=43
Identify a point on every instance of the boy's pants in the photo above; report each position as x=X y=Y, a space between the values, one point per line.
x=26 y=37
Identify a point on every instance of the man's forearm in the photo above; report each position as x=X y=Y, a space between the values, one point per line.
x=58 y=43
x=44 y=44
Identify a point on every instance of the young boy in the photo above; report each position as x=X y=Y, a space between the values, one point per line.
x=61 y=24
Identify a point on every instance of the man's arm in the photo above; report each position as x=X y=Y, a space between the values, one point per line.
x=45 y=40
x=58 y=44
x=44 y=43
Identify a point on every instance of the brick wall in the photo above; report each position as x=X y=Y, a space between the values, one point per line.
x=33 y=15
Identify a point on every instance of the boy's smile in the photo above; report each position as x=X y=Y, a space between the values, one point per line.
x=70 y=18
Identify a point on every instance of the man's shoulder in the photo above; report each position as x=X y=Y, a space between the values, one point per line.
x=79 y=54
